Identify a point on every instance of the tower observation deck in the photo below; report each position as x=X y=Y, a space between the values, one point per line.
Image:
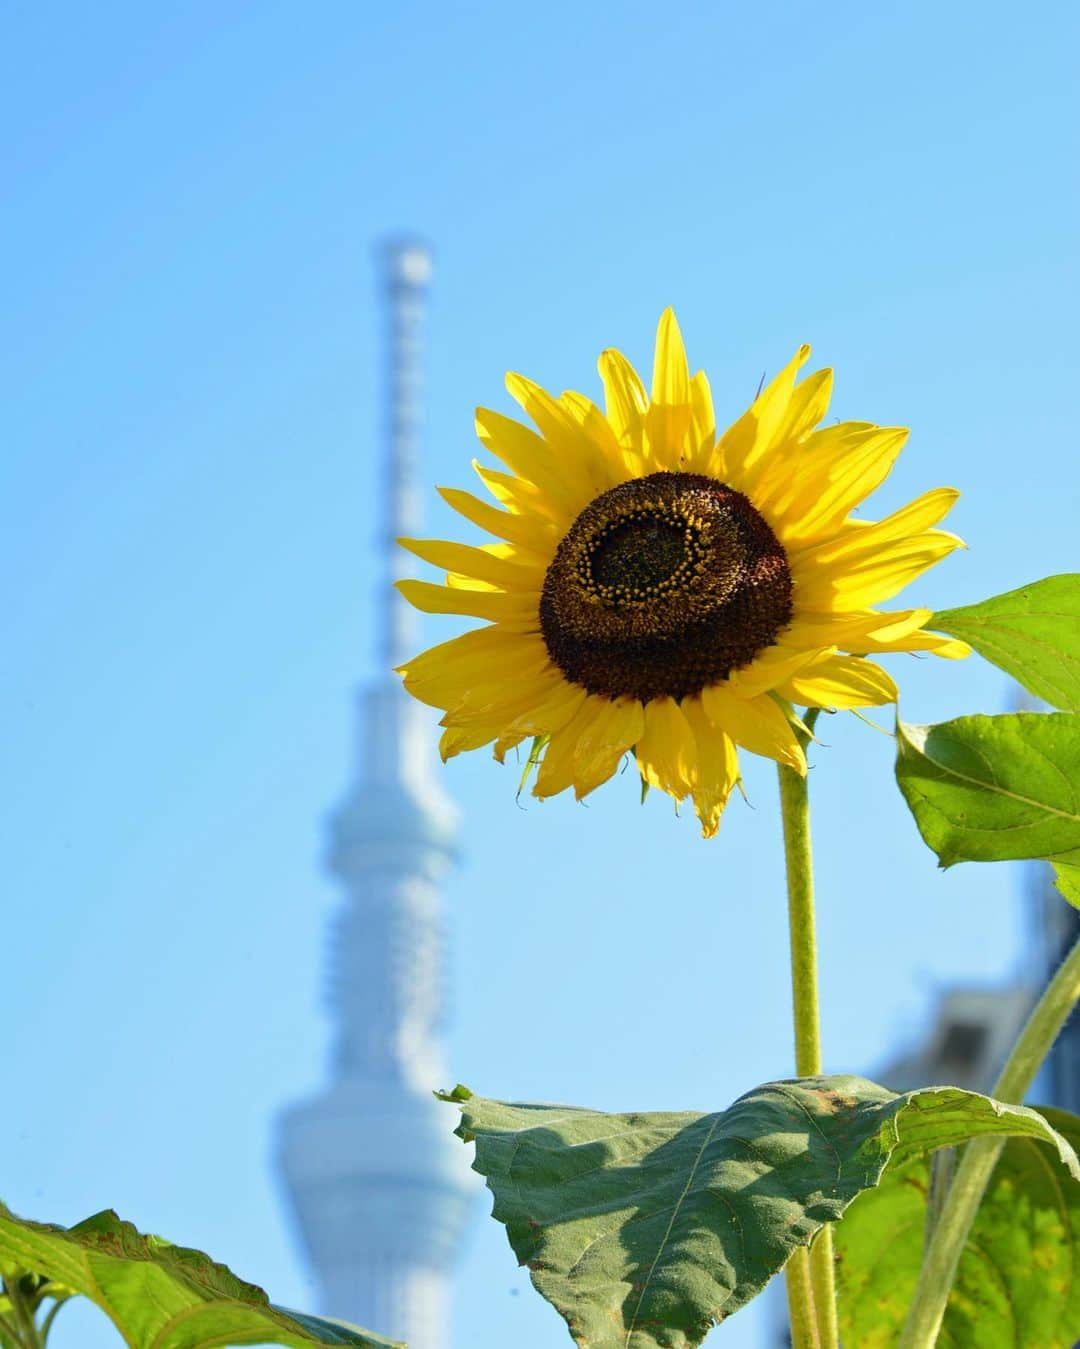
x=380 y=1188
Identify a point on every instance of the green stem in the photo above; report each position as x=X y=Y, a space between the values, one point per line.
x=980 y=1157
x=25 y=1327
x=800 y=1301
x=795 y=811
x=50 y=1317
x=942 y=1169
x=6 y=1328
x=823 y=1279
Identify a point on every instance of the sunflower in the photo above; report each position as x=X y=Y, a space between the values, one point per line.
x=659 y=591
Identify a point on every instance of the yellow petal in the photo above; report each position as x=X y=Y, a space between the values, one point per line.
x=477 y=563
x=479 y=648
x=495 y=605
x=826 y=478
x=745 y=446
x=949 y=648
x=808 y=403
x=582 y=467
x=773 y=666
x=757 y=724
x=520 y=496
x=703 y=425
x=501 y=700
x=444 y=675
x=614 y=729
x=624 y=398
x=859 y=537
x=841 y=682
x=771 y=479
x=527 y=531
x=550 y=713
x=848 y=629
x=665 y=752
x=457 y=739
x=506 y=743
x=456 y=580
x=671 y=377
x=609 y=468
x=467 y=698
x=716 y=766
x=867 y=632
x=557 y=474
x=521 y=450
x=872 y=574
x=668 y=419
x=557 y=771
x=702 y=405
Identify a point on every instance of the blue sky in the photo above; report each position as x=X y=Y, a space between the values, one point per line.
x=190 y=439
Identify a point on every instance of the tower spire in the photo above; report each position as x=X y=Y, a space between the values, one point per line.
x=379 y=1187
x=406 y=273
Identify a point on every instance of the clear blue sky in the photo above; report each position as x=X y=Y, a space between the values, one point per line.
x=190 y=413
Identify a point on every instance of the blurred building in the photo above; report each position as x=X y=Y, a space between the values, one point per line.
x=971 y=1030
x=380 y=1188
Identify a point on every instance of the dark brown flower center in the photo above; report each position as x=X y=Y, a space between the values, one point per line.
x=664 y=585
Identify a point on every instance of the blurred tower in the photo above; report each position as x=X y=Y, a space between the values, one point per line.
x=380 y=1188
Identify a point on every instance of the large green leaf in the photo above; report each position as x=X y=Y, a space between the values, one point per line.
x=158 y=1295
x=1018 y=1282
x=644 y=1230
x=1032 y=633
x=988 y=789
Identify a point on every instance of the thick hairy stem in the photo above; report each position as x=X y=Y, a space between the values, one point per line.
x=795 y=810
x=800 y=1301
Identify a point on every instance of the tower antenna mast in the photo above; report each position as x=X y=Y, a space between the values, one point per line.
x=379 y=1188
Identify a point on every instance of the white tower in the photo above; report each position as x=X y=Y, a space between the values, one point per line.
x=380 y=1187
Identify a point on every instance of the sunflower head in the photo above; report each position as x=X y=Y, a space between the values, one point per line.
x=657 y=590
x=664 y=585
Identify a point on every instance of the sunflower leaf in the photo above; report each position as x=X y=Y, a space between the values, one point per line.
x=1018 y=1282
x=1032 y=634
x=161 y=1294
x=1067 y=875
x=990 y=789
x=644 y=1230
